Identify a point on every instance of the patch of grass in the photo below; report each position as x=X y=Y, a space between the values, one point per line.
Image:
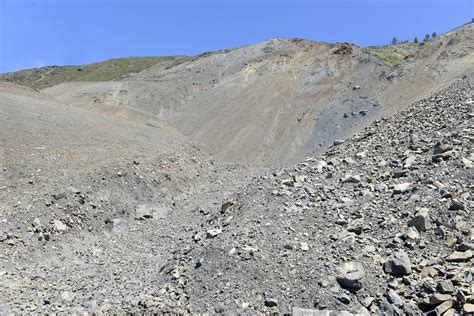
x=392 y=55
x=40 y=78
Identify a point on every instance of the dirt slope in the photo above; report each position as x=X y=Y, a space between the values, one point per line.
x=276 y=101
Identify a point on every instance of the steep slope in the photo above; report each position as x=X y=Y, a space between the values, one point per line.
x=77 y=189
x=381 y=223
x=279 y=100
x=256 y=103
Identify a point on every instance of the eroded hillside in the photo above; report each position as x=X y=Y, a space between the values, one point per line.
x=275 y=102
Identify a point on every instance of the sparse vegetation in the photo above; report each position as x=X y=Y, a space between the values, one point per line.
x=391 y=55
x=40 y=78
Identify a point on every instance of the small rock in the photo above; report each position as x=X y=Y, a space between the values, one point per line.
x=271 y=302
x=304 y=246
x=344 y=298
x=351 y=179
x=401 y=187
x=226 y=205
x=429 y=272
x=211 y=233
x=351 y=275
x=67 y=296
x=459 y=256
x=73 y=190
x=445 y=287
x=398 y=264
x=442 y=308
x=60 y=226
x=456 y=206
x=412 y=234
x=421 y=221
x=119 y=226
x=441 y=148
x=58 y=196
x=468 y=308
x=394 y=298
x=356 y=226
x=409 y=161
x=435 y=299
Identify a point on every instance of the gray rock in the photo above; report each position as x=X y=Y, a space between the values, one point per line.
x=58 y=196
x=445 y=287
x=356 y=226
x=351 y=275
x=271 y=302
x=73 y=190
x=344 y=298
x=119 y=226
x=401 y=187
x=351 y=179
x=211 y=233
x=421 y=221
x=398 y=264
x=456 y=206
x=59 y=226
x=394 y=298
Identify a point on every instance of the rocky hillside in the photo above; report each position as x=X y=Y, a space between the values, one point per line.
x=173 y=189
x=381 y=223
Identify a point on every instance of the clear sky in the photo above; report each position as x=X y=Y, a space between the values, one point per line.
x=35 y=33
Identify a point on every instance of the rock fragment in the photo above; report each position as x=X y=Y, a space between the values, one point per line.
x=211 y=233
x=398 y=264
x=351 y=275
x=421 y=221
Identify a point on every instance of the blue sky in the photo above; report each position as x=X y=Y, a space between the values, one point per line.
x=35 y=33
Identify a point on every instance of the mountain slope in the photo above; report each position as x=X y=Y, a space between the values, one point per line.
x=277 y=101
x=400 y=187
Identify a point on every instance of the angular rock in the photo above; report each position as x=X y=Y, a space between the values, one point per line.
x=401 y=187
x=119 y=226
x=443 y=307
x=398 y=264
x=445 y=287
x=468 y=308
x=421 y=221
x=344 y=298
x=435 y=299
x=394 y=298
x=456 y=206
x=351 y=179
x=304 y=246
x=271 y=302
x=73 y=190
x=351 y=275
x=211 y=233
x=356 y=226
x=59 y=226
x=58 y=196
x=460 y=256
